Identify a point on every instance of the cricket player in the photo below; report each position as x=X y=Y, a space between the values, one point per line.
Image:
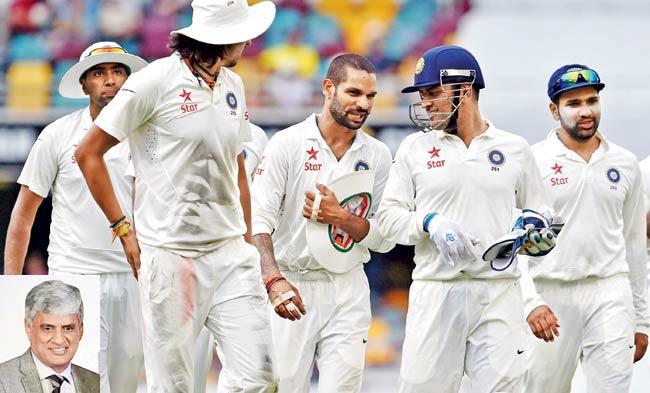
x=186 y=121
x=594 y=282
x=330 y=326
x=205 y=344
x=79 y=240
x=451 y=192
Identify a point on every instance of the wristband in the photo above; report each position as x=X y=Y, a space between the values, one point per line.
x=427 y=220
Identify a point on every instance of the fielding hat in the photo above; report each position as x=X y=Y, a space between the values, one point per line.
x=223 y=22
x=98 y=53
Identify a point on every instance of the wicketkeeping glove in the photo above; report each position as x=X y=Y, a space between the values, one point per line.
x=532 y=234
x=452 y=242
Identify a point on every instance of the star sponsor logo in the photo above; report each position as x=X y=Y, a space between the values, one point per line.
x=188 y=106
x=313 y=155
x=259 y=170
x=558 y=180
x=432 y=163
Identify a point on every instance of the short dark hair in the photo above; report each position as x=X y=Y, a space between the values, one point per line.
x=196 y=50
x=337 y=71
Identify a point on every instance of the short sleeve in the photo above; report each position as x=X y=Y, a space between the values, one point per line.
x=42 y=165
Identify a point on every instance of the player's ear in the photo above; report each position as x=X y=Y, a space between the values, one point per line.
x=328 y=88
x=554 y=111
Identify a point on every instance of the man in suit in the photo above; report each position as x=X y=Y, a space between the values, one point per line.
x=54 y=327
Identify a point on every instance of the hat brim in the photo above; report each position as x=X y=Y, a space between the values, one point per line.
x=598 y=86
x=417 y=87
x=71 y=88
x=258 y=20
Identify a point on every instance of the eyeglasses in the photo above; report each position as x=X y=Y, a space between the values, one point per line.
x=573 y=77
x=106 y=50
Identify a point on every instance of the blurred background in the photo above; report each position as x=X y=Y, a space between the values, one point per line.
x=518 y=43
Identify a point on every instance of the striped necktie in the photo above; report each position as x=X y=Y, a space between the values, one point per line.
x=56 y=382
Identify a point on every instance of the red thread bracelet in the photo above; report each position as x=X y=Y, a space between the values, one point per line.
x=272 y=281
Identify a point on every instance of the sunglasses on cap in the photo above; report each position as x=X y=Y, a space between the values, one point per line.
x=106 y=50
x=578 y=76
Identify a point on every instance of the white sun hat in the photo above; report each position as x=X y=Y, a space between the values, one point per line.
x=223 y=22
x=98 y=53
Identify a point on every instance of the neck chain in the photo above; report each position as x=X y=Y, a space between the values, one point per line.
x=201 y=72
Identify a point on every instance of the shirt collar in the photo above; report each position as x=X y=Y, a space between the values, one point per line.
x=360 y=138
x=561 y=150
x=45 y=371
x=489 y=133
x=86 y=120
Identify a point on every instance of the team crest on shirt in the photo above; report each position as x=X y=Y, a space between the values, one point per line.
x=433 y=154
x=361 y=166
x=188 y=106
x=313 y=155
x=497 y=159
x=613 y=175
x=231 y=100
x=558 y=180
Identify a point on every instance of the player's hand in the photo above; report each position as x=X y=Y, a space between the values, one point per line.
x=641 y=343
x=292 y=308
x=543 y=323
x=329 y=211
x=132 y=251
x=452 y=241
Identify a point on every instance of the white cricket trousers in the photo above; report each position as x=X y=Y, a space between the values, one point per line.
x=203 y=355
x=221 y=290
x=333 y=334
x=596 y=320
x=120 y=352
x=468 y=326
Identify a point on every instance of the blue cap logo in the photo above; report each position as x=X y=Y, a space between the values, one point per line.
x=496 y=157
x=613 y=175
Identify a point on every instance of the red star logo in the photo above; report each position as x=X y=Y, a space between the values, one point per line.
x=312 y=153
x=434 y=152
x=557 y=168
x=185 y=95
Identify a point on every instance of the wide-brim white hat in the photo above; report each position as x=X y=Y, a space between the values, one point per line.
x=98 y=53
x=223 y=22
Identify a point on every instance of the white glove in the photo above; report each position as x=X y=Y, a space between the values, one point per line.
x=453 y=243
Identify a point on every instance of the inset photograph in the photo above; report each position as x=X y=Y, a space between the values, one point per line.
x=50 y=340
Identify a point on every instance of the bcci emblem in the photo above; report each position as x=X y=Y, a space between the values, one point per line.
x=231 y=100
x=359 y=205
x=361 y=166
x=613 y=175
x=496 y=157
x=419 y=66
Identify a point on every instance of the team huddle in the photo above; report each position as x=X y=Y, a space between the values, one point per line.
x=513 y=244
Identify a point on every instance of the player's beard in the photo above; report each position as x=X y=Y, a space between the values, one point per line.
x=340 y=116
x=574 y=130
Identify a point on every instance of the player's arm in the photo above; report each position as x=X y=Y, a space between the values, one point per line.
x=634 y=233
x=244 y=195
x=399 y=220
x=19 y=230
x=268 y=192
x=90 y=158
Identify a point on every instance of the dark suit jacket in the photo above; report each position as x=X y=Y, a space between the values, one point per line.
x=19 y=375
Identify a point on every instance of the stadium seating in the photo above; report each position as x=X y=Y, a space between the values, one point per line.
x=389 y=32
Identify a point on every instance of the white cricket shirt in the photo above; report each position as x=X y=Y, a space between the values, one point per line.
x=253 y=149
x=602 y=204
x=80 y=234
x=294 y=161
x=478 y=186
x=184 y=140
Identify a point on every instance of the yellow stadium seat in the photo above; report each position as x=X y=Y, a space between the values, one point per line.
x=29 y=84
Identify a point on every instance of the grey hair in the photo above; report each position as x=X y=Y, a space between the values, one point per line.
x=54 y=297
